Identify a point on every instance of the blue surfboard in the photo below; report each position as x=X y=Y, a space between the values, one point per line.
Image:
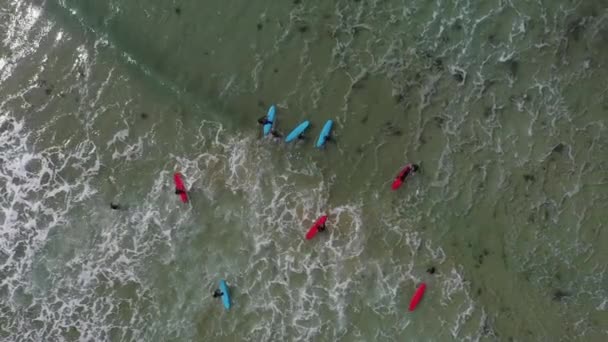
x=270 y=116
x=297 y=131
x=226 y=295
x=324 y=133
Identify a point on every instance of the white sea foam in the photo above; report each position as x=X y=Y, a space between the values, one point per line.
x=265 y=197
x=23 y=31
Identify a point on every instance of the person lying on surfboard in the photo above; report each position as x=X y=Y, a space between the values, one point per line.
x=407 y=171
x=264 y=120
x=217 y=293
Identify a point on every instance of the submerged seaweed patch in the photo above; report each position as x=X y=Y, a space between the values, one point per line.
x=513 y=67
x=559 y=148
x=487 y=111
x=458 y=76
x=391 y=129
x=399 y=98
x=438 y=64
x=558 y=295
x=575 y=28
x=438 y=121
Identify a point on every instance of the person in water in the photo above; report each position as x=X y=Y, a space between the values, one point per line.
x=408 y=170
x=114 y=206
x=179 y=191
x=322 y=227
x=217 y=293
x=264 y=120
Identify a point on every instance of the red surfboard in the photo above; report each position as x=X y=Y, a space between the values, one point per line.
x=417 y=296
x=179 y=185
x=315 y=227
x=398 y=182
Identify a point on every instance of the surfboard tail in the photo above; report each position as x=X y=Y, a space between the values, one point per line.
x=396 y=184
x=312 y=232
x=417 y=297
x=226 y=296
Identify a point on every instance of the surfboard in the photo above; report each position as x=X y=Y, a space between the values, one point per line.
x=179 y=185
x=324 y=133
x=315 y=227
x=297 y=131
x=398 y=182
x=417 y=296
x=226 y=294
x=270 y=116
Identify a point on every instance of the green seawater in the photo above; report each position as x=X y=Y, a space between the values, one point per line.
x=503 y=104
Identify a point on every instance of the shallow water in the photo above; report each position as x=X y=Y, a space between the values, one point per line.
x=502 y=103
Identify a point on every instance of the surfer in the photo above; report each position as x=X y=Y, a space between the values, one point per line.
x=411 y=168
x=400 y=178
x=264 y=120
x=179 y=191
x=114 y=206
x=217 y=293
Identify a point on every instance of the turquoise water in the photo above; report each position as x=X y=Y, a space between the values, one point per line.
x=502 y=103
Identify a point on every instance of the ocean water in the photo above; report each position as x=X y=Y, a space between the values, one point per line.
x=504 y=104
